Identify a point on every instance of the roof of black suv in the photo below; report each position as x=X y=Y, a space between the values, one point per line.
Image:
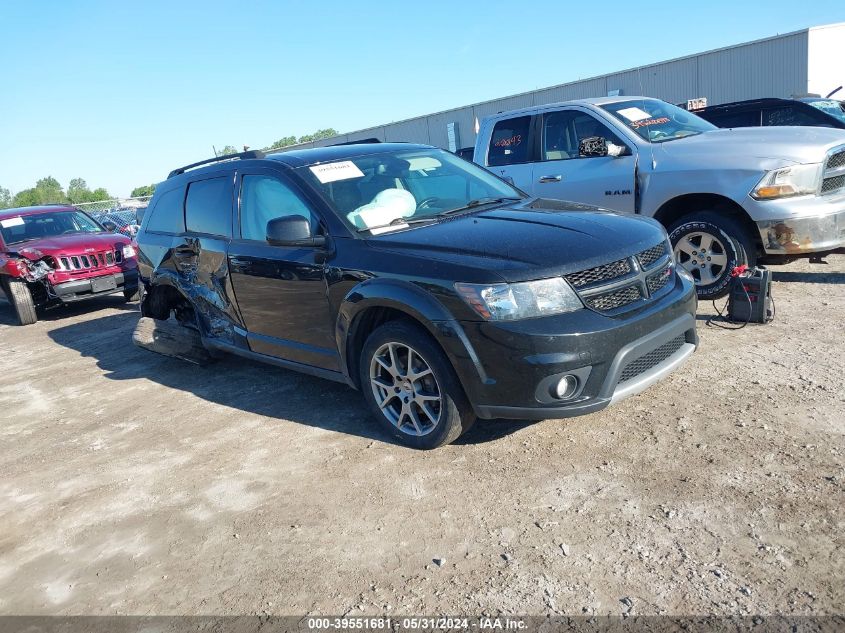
x=300 y=157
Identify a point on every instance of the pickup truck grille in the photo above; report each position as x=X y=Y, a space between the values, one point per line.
x=626 y=283
x=836 y=160
x=833 y=180
x=90 y=261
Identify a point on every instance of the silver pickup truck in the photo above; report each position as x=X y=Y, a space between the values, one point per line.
x=726 y=196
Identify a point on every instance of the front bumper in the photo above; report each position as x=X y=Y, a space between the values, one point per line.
x=801 y=228
x=78 y=290
x=509 y=368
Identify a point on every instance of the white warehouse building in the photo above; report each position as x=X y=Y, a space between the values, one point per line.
x=809 y=61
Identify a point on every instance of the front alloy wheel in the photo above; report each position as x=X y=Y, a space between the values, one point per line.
x=405 y=389
x=411 y=386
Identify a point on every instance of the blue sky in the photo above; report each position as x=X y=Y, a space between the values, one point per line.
x=119 y=93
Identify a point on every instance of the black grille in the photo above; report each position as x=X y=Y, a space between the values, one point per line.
x=656 y=282
x=605 y=272
x=651 y=255
x=832 y=184
x=836 y=160
x=654 y=357
x=615 y=299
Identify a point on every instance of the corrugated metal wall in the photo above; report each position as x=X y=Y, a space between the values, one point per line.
x=773 y=67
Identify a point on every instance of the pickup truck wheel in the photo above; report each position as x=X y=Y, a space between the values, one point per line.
x=411 y=387
x=21 y=300
x=710 y=246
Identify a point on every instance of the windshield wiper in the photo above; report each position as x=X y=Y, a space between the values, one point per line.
x=477 y=203
x=398 y=223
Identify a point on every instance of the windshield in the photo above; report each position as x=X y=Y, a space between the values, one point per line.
x=21 y=228
x=830 y=106
x=657 y=121
x=392 y=190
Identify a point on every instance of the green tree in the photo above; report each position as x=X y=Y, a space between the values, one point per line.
x=99 y=194
x=26 y=198
x=5 y=198
x=228 y=149
x=78 y=192
x=144 y=190
x=49 y=191
x=284 y=142
x=319 y=134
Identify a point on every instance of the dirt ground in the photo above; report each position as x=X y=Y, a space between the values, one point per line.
x=132 y=483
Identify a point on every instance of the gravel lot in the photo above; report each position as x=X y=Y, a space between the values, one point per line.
x=132 y=483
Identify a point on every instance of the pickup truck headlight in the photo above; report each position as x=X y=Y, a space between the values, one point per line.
x=797 y=180
x=509 y=302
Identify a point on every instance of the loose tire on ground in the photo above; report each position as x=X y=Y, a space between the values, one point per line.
x=170 y=339
x=21 y=300
x=419 y=388
x=710 y=245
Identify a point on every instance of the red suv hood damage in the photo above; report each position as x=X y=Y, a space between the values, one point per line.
x=72 y=244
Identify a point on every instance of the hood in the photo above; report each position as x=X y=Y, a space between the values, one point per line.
x=785 y=144
x=532 y=240
x=73 y=244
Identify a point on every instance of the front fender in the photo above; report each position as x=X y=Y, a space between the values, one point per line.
x=413 y=301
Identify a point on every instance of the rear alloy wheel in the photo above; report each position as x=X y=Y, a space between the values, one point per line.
x=709 y=247
x=411 y=387
x=21 y=299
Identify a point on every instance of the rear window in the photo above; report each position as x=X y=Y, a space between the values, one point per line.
x=747 y=118
x=791 y=115
x=208 y=207
x=166 y=214
x=509 y=145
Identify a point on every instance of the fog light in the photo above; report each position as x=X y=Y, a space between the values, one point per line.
x=565 y=387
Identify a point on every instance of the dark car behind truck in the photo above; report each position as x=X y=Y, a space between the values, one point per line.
x=437 y=289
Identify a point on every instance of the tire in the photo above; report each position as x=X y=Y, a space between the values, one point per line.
x=423 y=412
x=130 y=295
x=21 y=300
x=725 y=246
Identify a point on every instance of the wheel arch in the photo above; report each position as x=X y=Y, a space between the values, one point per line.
x=373 y=303
x=673 y=210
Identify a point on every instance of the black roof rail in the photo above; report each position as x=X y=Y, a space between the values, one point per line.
x=253 y=153
x=363 y=141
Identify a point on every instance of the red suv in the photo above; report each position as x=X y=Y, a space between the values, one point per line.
x=57 y=254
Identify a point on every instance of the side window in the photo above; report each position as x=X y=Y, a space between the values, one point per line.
x=790 y=115
x=740 y=118
x=166 y=215
x=208 y=207
x=264 y=198
x=563 y=132
x=509 y=145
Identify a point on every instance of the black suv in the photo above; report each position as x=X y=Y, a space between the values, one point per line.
x=437 y=289
x=811 y=111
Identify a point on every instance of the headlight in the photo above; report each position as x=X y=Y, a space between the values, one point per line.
x=797 y=180
x=128 y=251
x=508 y=302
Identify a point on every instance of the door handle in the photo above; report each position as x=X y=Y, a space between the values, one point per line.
x=556 y=178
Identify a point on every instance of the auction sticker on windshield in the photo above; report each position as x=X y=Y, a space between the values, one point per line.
x=634 y=114
x=330 y=172
x=10 y=222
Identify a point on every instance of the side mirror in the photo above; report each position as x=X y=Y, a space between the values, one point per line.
x=292 y=230
x=109 y=226
x=594 y=146
x=139 y=215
